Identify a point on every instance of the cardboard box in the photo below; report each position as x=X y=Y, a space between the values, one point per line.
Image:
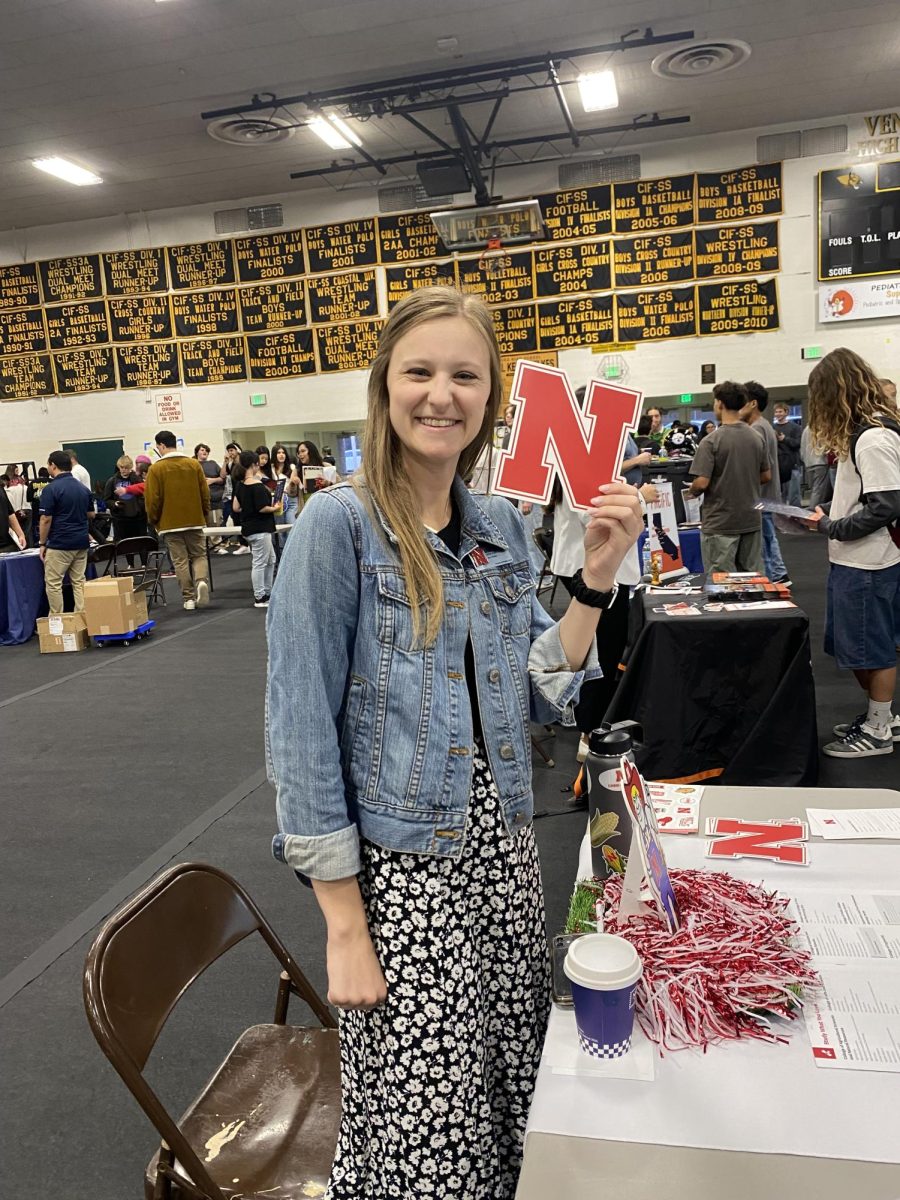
x=111 y=606
x=63 y=633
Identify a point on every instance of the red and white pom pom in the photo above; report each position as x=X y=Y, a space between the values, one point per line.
x=734 y=964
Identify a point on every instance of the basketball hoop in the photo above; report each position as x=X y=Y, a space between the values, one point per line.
x=494 y=260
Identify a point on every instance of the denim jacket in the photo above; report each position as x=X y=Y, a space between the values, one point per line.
x=368 y=735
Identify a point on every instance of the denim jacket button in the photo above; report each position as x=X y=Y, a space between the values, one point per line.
x=510 y=590
x=486 y=607
x=494 y=675
x=506 y=751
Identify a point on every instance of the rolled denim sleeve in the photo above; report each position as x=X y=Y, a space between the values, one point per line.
x=311 y=628
x=554 y=685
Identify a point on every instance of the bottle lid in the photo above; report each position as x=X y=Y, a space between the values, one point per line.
x=610 y=743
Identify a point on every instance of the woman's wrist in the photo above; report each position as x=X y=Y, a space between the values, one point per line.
x=597 y=582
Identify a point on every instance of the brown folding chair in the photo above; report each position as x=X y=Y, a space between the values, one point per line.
x=104 y=553
x=148 y=573
x=266 y=1123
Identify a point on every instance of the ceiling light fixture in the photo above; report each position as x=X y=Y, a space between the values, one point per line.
x=334 y=132
x=598 y=91
x=69 y=171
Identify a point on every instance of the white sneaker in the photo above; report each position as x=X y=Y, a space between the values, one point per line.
x=220 y=550
x=201 y=587
x=242 y=550
x=190 y=605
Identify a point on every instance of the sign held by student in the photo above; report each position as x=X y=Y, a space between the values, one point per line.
x=553 y=437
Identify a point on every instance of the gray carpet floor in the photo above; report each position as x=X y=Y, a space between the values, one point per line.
x=120 y=761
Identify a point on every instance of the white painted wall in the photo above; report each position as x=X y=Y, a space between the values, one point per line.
x=29 y=429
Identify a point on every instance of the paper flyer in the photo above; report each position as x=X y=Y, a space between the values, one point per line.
x=854 y=1022
x=839 y=823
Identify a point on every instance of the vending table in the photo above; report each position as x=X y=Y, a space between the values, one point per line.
x=746 y=1120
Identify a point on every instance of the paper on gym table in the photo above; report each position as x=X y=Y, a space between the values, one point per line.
x=837 y=823
x=854 y=1022
x=677 y=806
x=846 y=908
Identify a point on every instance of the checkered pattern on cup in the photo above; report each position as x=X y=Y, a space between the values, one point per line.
x=599 y=1050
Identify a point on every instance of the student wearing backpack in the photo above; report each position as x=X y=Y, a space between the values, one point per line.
x=849 y=414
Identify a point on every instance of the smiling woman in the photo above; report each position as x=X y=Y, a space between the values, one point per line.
x=405 y=614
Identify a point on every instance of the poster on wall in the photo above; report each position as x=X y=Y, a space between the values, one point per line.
x=213 y=360
x=577 y=213
x=400 y=281
x=281 y=355
x=169 y=410
x=859 y=220
x=26 y=377
x=273 y=306
x=76 y=278
x=269 y=256
x=79 y=371
x=349 y=296
x=22 y=331
x=347 y=347
x=139 y=318
x=19 y=286
x=516 y=329
x=202 y=314
x=581 y=267
x=859 y=300
x=737 y=250
x=646 y=204
x=658 y=258
x=507 y=278
x=406 y=237
x=748 y=306
x=148 y=366
x=655 y=316
x=348 y=244
x=565 y=324
x=200 y=265
x=135 y=272
x=71 y=325
x=739 y=195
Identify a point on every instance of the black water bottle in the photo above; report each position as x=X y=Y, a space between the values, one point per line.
x=609 y=818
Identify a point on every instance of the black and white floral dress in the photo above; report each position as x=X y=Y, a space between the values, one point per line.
x=437 y=1082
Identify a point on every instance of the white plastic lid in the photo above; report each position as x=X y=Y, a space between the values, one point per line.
x=602 y=961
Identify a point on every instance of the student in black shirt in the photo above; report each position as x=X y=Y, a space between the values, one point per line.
x=253 y=500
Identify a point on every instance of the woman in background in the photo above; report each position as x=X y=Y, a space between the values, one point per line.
x=253 y=500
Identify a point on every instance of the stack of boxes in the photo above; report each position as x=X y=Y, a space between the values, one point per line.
x=111 y=606
x=63 y=633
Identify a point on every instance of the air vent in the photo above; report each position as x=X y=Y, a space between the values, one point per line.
x=776 y=147
x=701 y=58
x=600 y=170
x=826 y=139
x=250 y=130
x=239 y=220
x=401 y=197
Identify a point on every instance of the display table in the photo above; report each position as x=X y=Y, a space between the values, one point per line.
x=689 y=540
x=722 y=697
x=674 y=471
x=747 y=1120
x=221 y=532
x=22 y=596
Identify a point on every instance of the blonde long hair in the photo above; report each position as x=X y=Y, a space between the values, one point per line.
x=844 y=392
x=383 y=474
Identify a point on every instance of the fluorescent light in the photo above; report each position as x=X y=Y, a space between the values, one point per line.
x=598 y=91
x=69 y=171
x=334 y=132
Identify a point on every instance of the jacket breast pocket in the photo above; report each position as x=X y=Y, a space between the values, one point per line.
x=395 y=624
x=512 y=599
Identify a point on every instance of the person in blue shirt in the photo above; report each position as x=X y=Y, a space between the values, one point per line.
x=404 y=618
x=64 y=538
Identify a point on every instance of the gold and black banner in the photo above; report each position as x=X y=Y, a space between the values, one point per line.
x=407 y=237
x=516 y=329
x=746 y=306
x=577 y=213
x=205 y=314
x=22 y=331
x=347 y=347
x=270 y=256
x=79 y=371
x=659 y=258
x=73 y=325
x=148 y=366
x=201 y=265
x=19 y=286
x=656 y=316
x=348 y=244
x=135 y=272
x=75 y=278
x=737 y=250
x=564 y=270
x=503 y=278
x=403 y=280
x=139 y=318
x=213 y=360
x=25 y=376
x=563 y=324
x=739 y=195
x=645 y=204
x=273 y=306
x=350 y=296
x=281 y=355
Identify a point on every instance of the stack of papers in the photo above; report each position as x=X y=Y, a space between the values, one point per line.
x=836 y=824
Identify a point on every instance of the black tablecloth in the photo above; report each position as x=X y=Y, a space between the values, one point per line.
x=725 y=697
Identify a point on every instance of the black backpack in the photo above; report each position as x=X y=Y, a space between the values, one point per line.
x=894 y=527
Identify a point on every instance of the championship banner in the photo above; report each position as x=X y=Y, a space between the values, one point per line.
x=662 y=533
x=552 y=437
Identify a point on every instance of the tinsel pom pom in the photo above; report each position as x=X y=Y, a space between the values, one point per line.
x=734 y=964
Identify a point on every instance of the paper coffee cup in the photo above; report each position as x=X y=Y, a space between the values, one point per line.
x=604 y=971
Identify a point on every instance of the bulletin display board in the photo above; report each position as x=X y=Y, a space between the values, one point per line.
x=859 y=221
x=648 y=260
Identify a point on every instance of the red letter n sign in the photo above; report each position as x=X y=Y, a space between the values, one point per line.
x=781 y=841
x=550 y=432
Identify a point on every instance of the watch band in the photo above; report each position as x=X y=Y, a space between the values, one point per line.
x=589 y=597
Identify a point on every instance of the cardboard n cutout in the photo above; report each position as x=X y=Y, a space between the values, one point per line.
x=646 y=861
x=551 y=436
x=776 y=840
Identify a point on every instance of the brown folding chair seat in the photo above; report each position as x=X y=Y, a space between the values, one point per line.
x=266 y=1123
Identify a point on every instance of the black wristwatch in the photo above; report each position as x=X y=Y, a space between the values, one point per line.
x=591 y=598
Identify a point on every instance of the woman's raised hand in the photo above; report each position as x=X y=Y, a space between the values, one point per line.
x=615 y=525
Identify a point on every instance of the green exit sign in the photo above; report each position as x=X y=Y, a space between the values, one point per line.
x=809 y=352
x=685 y=398
x=258 y=400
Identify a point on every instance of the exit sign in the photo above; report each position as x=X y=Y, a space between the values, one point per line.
x=258 y=400
x=685 y=398
x=809 y=352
